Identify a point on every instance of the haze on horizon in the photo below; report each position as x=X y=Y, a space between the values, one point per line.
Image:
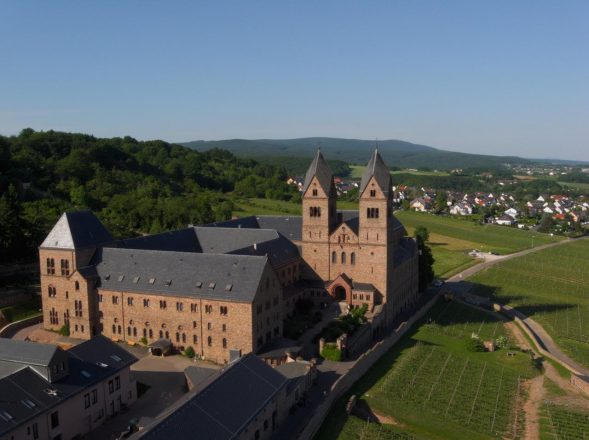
x=506 y=78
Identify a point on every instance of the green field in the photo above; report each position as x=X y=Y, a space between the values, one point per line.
x=559 y=423
x=430 y=387
x=552 y=286
x=22 y=310
x=357 y=171
x=576 y=185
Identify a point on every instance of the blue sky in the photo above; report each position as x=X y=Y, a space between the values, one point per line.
x=499 y=77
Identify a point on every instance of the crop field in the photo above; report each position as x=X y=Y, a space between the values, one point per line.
x=434 y=388
x=552 y=286
x=562 y=423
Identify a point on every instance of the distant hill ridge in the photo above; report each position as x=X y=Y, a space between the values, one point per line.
x=396 y=153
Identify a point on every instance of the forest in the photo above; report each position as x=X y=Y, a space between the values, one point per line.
x=134 y=187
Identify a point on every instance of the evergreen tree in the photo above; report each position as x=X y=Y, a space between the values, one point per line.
x=425 y=259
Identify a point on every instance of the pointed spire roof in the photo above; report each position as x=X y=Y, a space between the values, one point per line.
x=77 y=230
x=376 y=168
x=320 y=169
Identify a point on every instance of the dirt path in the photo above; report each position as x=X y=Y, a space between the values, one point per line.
x=532 y=407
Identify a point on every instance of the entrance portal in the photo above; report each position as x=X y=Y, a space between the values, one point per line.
x=340 y=293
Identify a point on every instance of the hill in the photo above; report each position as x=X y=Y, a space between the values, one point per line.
x=396 y=153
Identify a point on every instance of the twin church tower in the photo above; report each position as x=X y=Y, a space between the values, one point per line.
x=361 y=254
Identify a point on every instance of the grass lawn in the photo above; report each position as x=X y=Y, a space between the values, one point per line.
x=357 y=171
x=22 y=310
x=248 y=207
x=432 y=387
x=552 y=286
x=577 y=185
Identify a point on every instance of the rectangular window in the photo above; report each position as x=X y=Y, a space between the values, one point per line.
x=87 y=400
x=115 y=299
x=118 y=383
x=94 y=396
x=193 y=308
x=35 y=431
x=111 y=387
x=50 y=266
x=179 y=306
x=162 y=304
x=130 y=301
x=99 y=298
x=65 y=267
x=372 y=193
x=54 y=419
x=145 y=303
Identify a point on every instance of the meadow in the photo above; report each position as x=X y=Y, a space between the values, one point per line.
x=357 y=171
x=429 y=386
x=451 y=239
x=552 y=286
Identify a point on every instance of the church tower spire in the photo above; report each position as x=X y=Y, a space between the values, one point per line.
x=319 y=214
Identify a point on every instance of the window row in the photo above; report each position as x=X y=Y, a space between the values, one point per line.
x=223 y=310
x=343 y=258
x=64 y=266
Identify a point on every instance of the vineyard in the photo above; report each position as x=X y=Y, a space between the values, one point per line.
x=552 y=286
x=435 y=388
x=560 y=423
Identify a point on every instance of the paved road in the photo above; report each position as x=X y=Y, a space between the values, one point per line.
x=459 y=284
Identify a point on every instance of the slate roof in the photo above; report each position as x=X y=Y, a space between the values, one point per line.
x=27 y=390
x=26 y=352
x=182 y=240
x=320 y=169
x=222 y=409
x=279 y=251
x=77 y=230
x=217 y=276
x=376 y=168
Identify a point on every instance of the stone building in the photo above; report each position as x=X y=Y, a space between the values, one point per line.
x=229 y=285
x=52 y=394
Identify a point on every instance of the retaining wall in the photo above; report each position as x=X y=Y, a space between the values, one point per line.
x=360 y=367
x=8 y=330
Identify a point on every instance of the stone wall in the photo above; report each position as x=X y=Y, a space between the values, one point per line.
x=360 y=367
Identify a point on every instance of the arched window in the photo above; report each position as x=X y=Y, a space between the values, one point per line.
x=150 y=333
x=343 y=258
x=210 y=341
x=134 y=331
x=183 y=337
x=120 y=329
x=333 y=257
x=114 y=329
x=129 y=331
x=77 y=284
x=353 y=258
x=224 y=343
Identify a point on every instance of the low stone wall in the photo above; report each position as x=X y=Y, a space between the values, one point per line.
x=360 y=367
x=8 y=330
x=580 y=382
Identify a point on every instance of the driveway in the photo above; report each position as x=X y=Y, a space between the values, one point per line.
x=165 y=378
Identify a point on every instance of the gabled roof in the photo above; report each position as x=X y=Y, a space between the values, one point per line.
x=376 y=168
x=216 y=276
x=29 y=353
x=222 y=409
x=319 y=169
x=77 y=230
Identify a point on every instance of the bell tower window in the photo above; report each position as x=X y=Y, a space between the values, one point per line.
x=315 y=211
x=372 y=212
x=372 y=193
x=314 y=193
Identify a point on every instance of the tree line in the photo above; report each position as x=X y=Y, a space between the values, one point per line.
x=134 y=187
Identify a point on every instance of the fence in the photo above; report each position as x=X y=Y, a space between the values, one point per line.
x=360 y=367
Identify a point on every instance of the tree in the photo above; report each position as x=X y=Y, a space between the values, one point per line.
x=422 y=233
x=12 y=234
x=441 y=201
x=425 y=258
x=546 y=224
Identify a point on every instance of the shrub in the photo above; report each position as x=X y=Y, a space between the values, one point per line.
x=189 y=352
x=475 y=345
x=64 y=330
x=501 y=342
x=143 y=340
x=331 y=353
